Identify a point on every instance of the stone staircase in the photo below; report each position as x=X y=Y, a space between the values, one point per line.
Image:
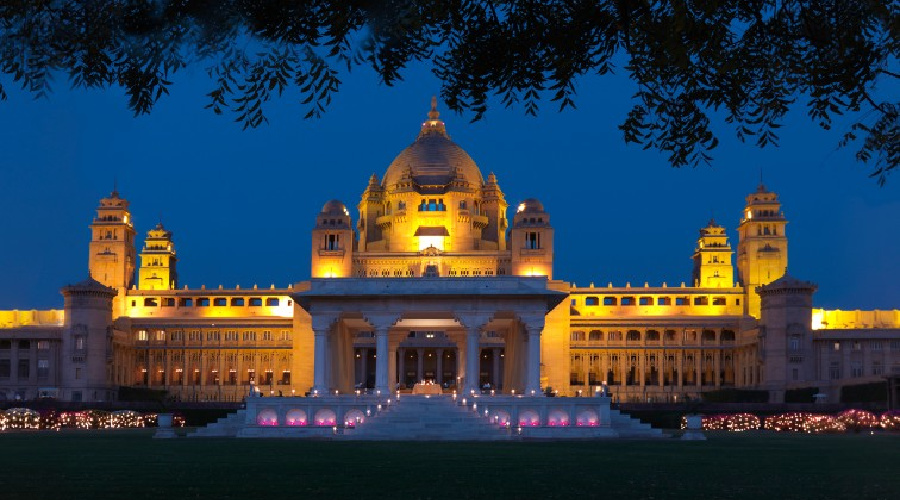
x=227 y=426
x=420 y=418
x=630 y=427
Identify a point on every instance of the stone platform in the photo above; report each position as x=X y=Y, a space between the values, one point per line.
x=429 y=418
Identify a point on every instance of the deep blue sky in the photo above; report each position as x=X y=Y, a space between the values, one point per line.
x=242 y=203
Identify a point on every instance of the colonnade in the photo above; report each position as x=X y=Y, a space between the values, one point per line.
x=525 y=336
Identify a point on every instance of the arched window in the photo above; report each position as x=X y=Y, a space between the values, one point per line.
x=652 y=335
x=595 y=335
x=633 y=336
x=591 y=301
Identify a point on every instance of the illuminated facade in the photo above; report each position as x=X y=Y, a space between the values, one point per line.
x=433 y=281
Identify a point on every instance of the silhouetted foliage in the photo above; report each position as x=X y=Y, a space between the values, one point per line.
x=748 y=61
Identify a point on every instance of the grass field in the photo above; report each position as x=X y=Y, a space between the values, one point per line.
x=130 y=465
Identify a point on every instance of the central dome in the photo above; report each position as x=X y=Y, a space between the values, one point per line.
x=433 y=159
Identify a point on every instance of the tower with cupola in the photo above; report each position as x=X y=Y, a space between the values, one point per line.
x=111 y=252
x=762 y=245
x=157 y=271
x=712 y=258
x=531 y=240
x=332 y=242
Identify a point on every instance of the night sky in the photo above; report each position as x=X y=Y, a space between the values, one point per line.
x=242 y=203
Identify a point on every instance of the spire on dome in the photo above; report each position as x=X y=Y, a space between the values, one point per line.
x=433 y=125
x=433 y=114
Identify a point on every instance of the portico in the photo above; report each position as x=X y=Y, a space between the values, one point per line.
x=428 y=328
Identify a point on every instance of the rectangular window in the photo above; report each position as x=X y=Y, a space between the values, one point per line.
x=681 y=301
x=267 y=335
x=77 y=373
x=186 y=302
x=718 y=301
x=141 y=336
x=79 y=342
x=590 y=301
x=795 y=374
x=663 y=301
x=24 y=369
x=168 y=302
x=576 y=336
x=794 y=344
x=645 y=301
x=203 y=302
x=195 y=336
x=43 y=369
x=856 y=370
x=876 y=345
x=159 y=336
x=837 y=346
x=285 y=335
x=220 y=302
x=212 y=336
x=150 y=302
x=249 y=336
x=272 y=301
x=24 y=345
x=255 y=301
x=4 y=368
x=609 y=301
x=701 y=301
x=176 y=336
x=231 y=336
x=877 y=368
x=627 y=301
x=237 y=302
x=834 y=370
x=333 y=242
x=43 y=345
x=5 y=345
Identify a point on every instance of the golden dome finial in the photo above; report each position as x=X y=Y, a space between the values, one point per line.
x=433 y=114
x=433 y=125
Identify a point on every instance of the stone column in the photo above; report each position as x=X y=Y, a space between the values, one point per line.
x=495 y=382
x=717 y=366
x=533 y=372
x=320 y=354
x=364 y=366
x=473 y=335
x=401 y=355
x=420 y=364
x=381 y=360
x=439 y=371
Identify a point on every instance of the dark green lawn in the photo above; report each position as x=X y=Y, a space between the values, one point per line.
x=131 y=465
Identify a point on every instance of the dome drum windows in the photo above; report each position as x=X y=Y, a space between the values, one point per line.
x=432 y=205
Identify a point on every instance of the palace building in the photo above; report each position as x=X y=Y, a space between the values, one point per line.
x=431 y=277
